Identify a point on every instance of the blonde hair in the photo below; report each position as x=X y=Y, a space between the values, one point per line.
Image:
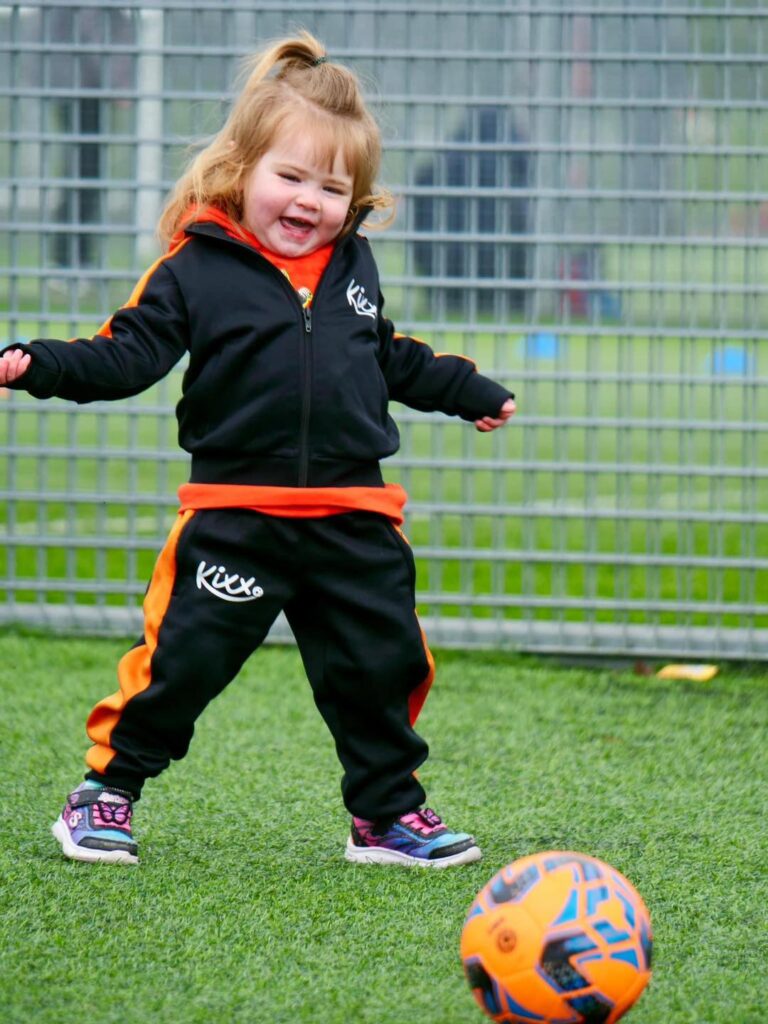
x=291 y=86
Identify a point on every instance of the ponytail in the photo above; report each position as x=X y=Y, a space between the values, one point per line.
x=302 y=52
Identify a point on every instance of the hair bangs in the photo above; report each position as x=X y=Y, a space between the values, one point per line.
x=331 y=137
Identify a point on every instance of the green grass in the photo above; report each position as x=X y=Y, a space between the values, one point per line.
x=243 y=909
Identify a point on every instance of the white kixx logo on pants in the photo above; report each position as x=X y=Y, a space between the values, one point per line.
x=220 y=583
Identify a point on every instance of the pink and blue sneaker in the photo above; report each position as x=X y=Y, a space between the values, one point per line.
x=418 y=839
x=95 y=825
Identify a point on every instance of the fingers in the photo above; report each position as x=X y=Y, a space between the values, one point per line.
x=492 y=422
x=13 y=365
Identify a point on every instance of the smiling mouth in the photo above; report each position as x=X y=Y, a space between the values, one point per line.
x=296 y=223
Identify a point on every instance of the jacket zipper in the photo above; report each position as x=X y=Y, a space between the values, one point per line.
x=306 y=396
x=306 y=359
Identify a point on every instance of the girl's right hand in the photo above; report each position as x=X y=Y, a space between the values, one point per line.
x=12 y=365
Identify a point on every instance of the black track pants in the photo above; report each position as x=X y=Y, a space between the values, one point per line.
x=346 y=584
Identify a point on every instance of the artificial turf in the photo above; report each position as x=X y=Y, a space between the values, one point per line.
x=243 y=909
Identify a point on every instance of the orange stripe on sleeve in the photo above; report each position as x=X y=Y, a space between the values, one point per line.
x=105 y=331
x=134 y=671
x=438 y=355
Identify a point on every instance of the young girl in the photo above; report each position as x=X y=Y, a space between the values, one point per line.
x=268 y=286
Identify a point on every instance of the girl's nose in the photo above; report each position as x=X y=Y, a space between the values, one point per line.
x=309 y=199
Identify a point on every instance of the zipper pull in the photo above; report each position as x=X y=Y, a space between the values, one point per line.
x=307 y=319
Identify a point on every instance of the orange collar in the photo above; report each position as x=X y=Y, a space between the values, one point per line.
x=302 y=271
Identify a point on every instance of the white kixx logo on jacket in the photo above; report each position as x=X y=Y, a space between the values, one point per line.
x=358 y=300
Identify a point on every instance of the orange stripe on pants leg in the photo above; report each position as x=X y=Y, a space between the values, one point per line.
x=418 y=696
x=134 y=669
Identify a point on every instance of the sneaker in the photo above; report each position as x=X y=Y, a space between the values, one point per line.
x=95 y=825
x=418 y=839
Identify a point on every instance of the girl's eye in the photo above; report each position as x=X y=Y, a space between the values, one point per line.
x=288 y=177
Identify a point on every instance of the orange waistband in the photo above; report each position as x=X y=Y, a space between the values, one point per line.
x=297 y=502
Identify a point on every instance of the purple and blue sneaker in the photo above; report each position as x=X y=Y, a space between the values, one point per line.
x=95 y=825
x=418 y=839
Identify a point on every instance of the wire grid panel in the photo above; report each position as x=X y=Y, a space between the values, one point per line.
x=583 y=208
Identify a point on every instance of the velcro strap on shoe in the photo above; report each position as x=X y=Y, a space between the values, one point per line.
x=87 y=797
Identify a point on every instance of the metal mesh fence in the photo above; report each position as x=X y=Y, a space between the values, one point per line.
x=583 y=209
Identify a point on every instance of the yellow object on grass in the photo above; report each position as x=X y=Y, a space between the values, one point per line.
x=694 y=673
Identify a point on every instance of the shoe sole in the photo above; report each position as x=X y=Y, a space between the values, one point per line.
x=374 y=855
x=74 y=852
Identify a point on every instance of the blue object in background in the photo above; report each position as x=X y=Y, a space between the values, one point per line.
x=609 y=305
x=730 y=360
x=542 y=345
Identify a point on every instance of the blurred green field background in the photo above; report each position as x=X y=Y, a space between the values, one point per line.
x=615 y=451
x=634 y=455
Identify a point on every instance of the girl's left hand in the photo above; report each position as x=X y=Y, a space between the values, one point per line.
x=506 y=412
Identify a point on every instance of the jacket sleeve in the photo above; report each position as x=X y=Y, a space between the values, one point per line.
x=422 y=379
x=132 y=351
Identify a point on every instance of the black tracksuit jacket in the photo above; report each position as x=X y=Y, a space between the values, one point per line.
x=274 y=394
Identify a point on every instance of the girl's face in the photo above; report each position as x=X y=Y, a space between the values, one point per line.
x=292 y=203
